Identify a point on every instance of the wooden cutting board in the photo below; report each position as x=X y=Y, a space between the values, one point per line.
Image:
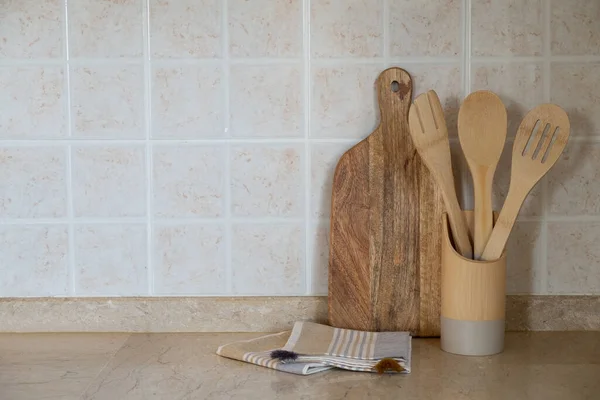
x=386 y=216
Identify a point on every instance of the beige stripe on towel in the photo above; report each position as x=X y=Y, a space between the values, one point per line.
x=372 y=346
x=334 y=339
x=354 y=350
x=341 y=338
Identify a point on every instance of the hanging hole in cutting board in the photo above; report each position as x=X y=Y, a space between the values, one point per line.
x=395 y=86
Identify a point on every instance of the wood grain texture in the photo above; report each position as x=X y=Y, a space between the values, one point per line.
x=482 y=122
x=472 y=290
x=430 y=136
x=384 y=263
x=540 y=140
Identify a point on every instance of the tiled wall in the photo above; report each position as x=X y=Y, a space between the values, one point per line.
x=186 y=147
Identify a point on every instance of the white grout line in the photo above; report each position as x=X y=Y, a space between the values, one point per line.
x=245 y=220
x=308 y=258
x=386 y=33
x=108 y=61
x=178 y=62
x=204 y=141
x=264 y=295
x=149 y=167
x=228 y=141
x=265 y=61
x=505 y=60
x=189 y=221
x=572 y=59
x=141 y=220
x=75 y=221
x=467 y=191
x=69 y=166
x=466 y=56
x=423 y=60
x=36 y=62
x=540 y=58
x=544 y=183
x=333 y=61
x=208 y=142
x=547 y=49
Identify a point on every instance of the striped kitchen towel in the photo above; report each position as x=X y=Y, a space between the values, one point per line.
x=310 y=348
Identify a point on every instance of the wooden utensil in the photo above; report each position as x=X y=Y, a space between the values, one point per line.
x=430 y=137
x=541 y=139
x=482 y=132
x=385 y=243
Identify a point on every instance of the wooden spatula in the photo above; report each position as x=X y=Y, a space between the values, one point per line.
x=482 y=132
x=540 y=140
x=430 y=137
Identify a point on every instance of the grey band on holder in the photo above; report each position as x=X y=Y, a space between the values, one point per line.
x=472 y=338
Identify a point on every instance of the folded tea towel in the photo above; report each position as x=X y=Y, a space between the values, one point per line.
x=310 y=348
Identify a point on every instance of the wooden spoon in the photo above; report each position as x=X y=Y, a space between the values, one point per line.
x=540 y=140
x=430 y=137
x=482 y=132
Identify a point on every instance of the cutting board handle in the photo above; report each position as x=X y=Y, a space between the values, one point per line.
x=394 y=92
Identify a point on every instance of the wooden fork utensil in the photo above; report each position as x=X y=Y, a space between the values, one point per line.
x=541 y=139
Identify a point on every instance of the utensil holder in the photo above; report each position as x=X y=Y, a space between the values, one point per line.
x=473 y=300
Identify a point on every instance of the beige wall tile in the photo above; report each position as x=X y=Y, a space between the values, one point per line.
x=573 y=257
x=265 y=28
x=185 y=28
x=343 y=101
x=110 y=260
x=351 y=28
x=574 y=27
x=268 y=258
x=267 y=180
x=34 y=260
x=425 y=28
x=323 y=160
x=33 y=182
x=105 y=28
x=109 y=181
x=31 y=29
x=503 y=28
x=319 y=257
x=189 y=259
x=520 y=87
x=445 y=79
x=189 y=181
x=266 y=101
x=108 y=102
x=576 y=88
x=524 y=259
x=573 y=181
x=33 y=102
x=262 y=103
x=187 y=102
x=533 y=203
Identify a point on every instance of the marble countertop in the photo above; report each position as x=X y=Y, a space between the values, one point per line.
x=542 y=365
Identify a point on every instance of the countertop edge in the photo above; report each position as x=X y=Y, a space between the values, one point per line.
x=251 y=314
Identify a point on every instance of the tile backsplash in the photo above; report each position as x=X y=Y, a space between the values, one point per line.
x=187 y=147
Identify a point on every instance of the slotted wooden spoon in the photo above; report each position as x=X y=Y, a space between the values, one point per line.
x=540 y=140
x=429 y=133
x=482 y=132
